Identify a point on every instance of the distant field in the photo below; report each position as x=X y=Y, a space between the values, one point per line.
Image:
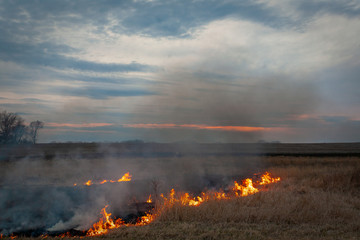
x=136 y=149
x=318 y=197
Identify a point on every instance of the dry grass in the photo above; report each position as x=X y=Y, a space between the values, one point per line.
x=318 y=198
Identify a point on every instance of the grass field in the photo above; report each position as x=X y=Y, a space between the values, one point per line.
x=317 y=198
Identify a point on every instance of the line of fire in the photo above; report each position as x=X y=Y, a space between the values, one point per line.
x=153 y=206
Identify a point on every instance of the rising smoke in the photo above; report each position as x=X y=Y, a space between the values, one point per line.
x=37 y=193
x=193 y=98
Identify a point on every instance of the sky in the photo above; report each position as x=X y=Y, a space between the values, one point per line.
x=190 y=70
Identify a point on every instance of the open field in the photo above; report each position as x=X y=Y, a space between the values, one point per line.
x=317 y=198
x=138 y=149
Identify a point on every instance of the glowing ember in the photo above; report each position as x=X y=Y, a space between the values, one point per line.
x=64 y=235
x=144 y=220
x=149 y=199
x=88 y=183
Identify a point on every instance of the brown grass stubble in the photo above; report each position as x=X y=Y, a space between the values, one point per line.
x=318 y=198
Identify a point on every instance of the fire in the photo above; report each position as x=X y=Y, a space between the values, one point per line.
x=266 y=179
x=104 y=224
x=247 y=188
x=144 y=220
x=220 y=196
x=149 y=199
x=88 y=183
x=185 y=199
x=64 y=235
x=126 y=178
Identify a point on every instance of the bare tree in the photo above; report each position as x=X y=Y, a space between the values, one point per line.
x=12 y=127
x=21 y=134
x=34 y=128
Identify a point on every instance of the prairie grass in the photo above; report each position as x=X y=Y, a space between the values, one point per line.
x=316 y=199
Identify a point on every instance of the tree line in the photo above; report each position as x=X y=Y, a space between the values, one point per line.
x=14 y=131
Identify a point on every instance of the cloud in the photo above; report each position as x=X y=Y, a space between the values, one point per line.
x=348 y=8
x=101 y=92
x=197 y=63
x=24 y=106
x=304 y=12
x=78 y=125
x=153 y=18
x=38 y=55
x=202 y=127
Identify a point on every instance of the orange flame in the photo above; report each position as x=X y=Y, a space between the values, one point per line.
x=238 y=190
x=125 y=178
x=220 y=196
x=149 y=199
x=245 y=189
x=185 y=199
x=104 y=224
x=88 y=183
x=144 y=220
x=266 y=179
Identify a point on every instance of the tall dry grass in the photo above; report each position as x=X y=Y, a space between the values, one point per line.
x=316 y=199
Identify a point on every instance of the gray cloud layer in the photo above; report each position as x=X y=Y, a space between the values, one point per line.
x=254 y=63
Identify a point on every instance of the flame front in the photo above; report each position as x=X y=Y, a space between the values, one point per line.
x=246 y=188
x=266 y=179
x=125 y=178
x=104 y=224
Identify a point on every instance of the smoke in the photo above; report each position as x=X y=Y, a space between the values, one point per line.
x=199 y=98
x=37 y=193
